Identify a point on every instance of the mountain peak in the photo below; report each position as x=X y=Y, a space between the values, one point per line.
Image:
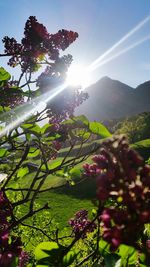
x=112 y=99
x=105 y=78
x=144 y=85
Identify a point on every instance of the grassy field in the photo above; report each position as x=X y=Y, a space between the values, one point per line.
x=63 y=198
x=67 y=201
x=64 y=201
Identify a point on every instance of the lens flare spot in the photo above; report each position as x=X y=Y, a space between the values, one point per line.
x=78 y=75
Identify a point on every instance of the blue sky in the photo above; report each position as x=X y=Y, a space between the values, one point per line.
x=100 y=24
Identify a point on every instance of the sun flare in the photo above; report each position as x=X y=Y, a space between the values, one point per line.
x=78 y=75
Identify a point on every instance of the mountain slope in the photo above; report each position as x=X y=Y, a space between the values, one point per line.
x=111 y=99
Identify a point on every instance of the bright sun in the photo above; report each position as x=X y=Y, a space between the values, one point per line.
x=78 y=75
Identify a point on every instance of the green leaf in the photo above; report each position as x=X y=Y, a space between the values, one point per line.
x=54 y=164
x=104 y=247
x=142 y=147
x=143 y=143
x=51 y=138
x=48 y=253
x=81 y=120
x=142 y=257
x=125 y=250
x=22 y=172
x=4 y=75
x=69 y=258
x=27 y=126
x=43 y=249
x=1 y=109
x=28 y=136
x=99 y=129
x=4 y=109
x=32 y=128
x=46 y=128
x=3 y=152
x=133 y=258
x=83 y=134
x=75 y=172
x=33 y=152
x=128 y=254
x=80 y=132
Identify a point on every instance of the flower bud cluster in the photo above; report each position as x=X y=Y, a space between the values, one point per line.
x=124 y=178
x=80 y=223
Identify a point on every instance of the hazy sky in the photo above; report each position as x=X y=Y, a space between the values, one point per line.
x=100 y=24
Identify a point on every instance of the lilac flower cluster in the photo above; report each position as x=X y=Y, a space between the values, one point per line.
x=80 y=223
x=23 y=259
x=123 y=177
x=36 y=43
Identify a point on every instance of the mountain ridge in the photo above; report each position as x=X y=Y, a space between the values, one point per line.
x=112 y=99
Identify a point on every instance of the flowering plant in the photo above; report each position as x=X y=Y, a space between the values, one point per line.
x=114 y=234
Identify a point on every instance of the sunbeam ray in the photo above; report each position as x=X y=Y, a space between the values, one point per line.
x=37 y=102
x=122 y=40
x=121 y=52
x=23 y=112
x=27 y=110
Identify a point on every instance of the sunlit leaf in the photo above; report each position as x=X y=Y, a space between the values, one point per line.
x=75 y=172
x=3 y=152
x=54 y=164
x=46 y=128
x=22 y=172
x=33 y=152
x=69 y=258
x=4 y=75
x=32 y=128
x=128 y=254
x=41 y=251
x=104 y=247
x=99 y=129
